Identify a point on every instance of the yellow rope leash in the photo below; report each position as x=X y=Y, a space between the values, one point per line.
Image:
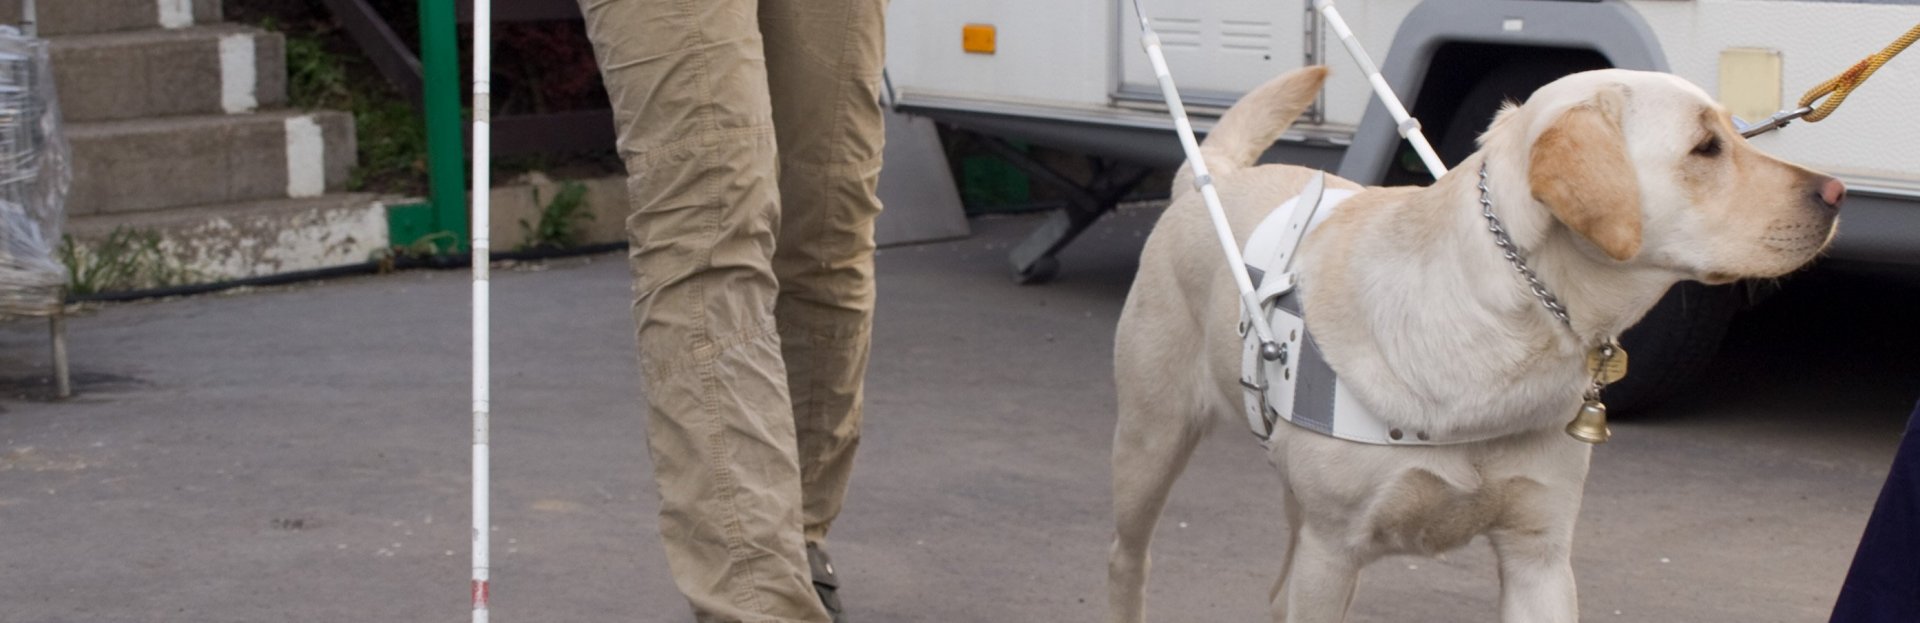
x=1839 y=87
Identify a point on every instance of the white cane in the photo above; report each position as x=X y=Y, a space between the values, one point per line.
x=1269 y=349
x=482 y=158
x=1408 y=126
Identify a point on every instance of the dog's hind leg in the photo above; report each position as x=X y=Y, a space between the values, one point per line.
x=1151 y=445
x=1536 y=575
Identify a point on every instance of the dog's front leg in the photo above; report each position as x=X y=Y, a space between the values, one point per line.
x=1319 y=578
x=1536 y=575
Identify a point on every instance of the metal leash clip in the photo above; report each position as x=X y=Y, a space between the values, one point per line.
x=1769 y=124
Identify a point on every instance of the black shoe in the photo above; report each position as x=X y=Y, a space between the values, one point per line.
x=824 y=582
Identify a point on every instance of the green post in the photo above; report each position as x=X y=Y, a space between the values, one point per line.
x=446 y=160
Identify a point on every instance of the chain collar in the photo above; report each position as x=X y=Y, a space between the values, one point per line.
x=1606 y=360
x=1512 y=253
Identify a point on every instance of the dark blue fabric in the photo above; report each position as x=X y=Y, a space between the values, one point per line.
x=1884 y=584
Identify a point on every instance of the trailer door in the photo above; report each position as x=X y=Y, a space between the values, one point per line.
x=1216 y=49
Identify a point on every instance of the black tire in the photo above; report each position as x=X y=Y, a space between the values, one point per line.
x=1458 y=104
x=1673 y=345
x=1512 y=81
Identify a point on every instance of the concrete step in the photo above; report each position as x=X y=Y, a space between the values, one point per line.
x=151 y=164
x=248 y=239
x=70 y=17
x=158 y=73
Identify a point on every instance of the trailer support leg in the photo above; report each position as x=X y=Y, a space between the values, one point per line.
x=57 y=328
x=1034 y=259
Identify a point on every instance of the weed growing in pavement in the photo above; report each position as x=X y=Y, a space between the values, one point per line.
x=560 y=219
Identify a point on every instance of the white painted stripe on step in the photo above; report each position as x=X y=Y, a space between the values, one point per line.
x=176 y=13
x=306 y=158
x=238 y=77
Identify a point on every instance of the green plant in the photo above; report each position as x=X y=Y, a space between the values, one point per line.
x=560 y=219
x=428 y=245
x=128 y=259
x=393 y=145
x=392 y=138
x=316 y=78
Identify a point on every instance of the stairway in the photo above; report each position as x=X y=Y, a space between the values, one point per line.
x=179 y=127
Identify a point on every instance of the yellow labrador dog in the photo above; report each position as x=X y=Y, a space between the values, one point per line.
x=1613 y=184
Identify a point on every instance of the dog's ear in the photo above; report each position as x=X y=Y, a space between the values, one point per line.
x=1580 y=169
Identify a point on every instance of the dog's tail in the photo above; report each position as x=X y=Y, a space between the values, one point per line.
x=1253 y=123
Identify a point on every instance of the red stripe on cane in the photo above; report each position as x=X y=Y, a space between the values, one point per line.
x=479 y=594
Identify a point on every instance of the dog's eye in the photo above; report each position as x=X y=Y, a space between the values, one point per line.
x=1708 y=148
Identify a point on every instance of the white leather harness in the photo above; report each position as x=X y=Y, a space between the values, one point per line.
x=1299 y=387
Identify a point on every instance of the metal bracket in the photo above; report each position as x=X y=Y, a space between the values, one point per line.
x=1033 y=259
x=1769 y=124
x=1268 y=416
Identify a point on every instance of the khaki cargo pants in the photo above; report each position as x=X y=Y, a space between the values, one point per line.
x=752 y=135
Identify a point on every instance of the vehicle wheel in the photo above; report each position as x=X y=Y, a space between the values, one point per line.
x=1512 y=81
x=1672 y=345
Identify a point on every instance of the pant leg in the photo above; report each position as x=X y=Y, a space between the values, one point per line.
x=1883 y=585
x=823 y=63
x=687 y=80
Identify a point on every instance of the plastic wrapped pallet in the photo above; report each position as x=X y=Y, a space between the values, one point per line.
x=35 y=173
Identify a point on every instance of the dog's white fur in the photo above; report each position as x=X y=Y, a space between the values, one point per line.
x=1616 y=184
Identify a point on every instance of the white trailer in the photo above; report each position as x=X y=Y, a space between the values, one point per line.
x=1070 y=74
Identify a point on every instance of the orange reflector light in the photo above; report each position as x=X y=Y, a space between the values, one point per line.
x=977 y=38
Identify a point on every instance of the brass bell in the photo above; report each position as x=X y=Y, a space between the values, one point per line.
x=1590 y=425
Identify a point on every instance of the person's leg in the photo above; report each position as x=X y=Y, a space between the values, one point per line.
x=823 y=64
x=687 y=80
x=1883 y=585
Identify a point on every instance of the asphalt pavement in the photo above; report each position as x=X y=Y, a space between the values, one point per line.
x=301 y=454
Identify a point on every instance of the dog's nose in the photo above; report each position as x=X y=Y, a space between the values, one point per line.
x=1832 y=192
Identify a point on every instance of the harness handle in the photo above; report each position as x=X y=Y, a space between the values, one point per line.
x=1203 y=181
x=1408 y=126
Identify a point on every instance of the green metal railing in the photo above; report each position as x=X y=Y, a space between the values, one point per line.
x=446 y=159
